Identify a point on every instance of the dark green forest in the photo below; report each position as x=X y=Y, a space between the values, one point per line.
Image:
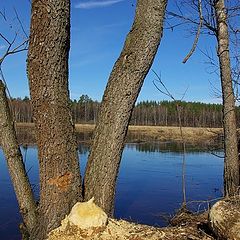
x=155 y=113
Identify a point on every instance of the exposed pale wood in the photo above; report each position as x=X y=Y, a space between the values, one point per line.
x=123 y=230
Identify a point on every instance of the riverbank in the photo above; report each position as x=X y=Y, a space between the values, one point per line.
x=123 y=230
x=87 y=221
x=191 y=135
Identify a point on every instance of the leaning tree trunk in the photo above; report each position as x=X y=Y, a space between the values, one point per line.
x=15 y=163
x=231 y=165
x=60 y=183
x=119 y=98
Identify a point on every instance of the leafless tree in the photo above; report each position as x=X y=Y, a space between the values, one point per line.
x=9 y=142
x=212 y=17
x=161 y=87
x=59 y=172
x=123 y=87
x=60 y=181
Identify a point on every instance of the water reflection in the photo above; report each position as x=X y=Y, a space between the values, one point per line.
x=83 y=149
x=174 y=147
x=149 y=182
x=26 y=135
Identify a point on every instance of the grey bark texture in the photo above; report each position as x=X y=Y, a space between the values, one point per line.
x=231 y=165
x=123 y=87
x=15 y=163
x=60 y=182
x=224 y=218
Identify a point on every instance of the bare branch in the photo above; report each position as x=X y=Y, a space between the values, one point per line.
x=167 y=93
x=19 y=48
x=178 y=107
x=3 y=15
x=4 y=38
x=182 y=17
x=198 y=32
x=20 y=22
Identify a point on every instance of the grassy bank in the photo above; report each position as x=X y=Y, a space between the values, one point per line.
x=190 y=134
x=150 y=133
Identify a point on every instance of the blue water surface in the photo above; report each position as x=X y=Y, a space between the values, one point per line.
x=149 y=186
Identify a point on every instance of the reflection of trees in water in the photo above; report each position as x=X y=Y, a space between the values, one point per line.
x=26 y=136
x=84 y=136
x=83 y=148
x=30 y=165
x=168 y=147
x=136 y=137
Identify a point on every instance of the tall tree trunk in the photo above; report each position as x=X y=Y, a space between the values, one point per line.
x=15 y=163
x=119 y=98
x=231 y=166
x=60 y=183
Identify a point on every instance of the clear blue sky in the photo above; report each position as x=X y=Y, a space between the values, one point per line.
x=98 y=30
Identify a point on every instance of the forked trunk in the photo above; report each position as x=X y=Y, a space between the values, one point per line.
x=231 y=164
x=119 y=98
x=60 y=183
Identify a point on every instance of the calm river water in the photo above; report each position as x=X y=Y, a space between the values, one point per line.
x=149 y=183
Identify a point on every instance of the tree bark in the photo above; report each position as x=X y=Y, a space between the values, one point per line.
x=231 y=165
x=224 y=219
x=123 y=87
x=60 y=182
x=15 y=163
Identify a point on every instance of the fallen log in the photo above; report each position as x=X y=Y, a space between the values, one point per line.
x=225 y=218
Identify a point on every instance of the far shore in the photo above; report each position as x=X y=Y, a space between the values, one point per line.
x=193 y=135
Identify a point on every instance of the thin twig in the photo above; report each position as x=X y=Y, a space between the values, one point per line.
x=166 y=92
x=3 y=15
x=198 y=32
x=20 y=22
x=11 y=48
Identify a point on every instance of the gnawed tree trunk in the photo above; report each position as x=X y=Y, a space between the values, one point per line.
x=231 y=165
x=15 y=163
x=225 y=218
x=60 y=183
x=119 y=98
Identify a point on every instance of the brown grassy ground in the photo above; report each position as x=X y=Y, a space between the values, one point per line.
x=148 y=133
x=190 y=134
x=141 y=133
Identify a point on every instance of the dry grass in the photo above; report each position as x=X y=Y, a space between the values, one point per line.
x=191 y=134
x=146 y=133
x=84 y=127
x=22 y=125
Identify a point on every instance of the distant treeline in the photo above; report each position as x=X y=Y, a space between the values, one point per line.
x=162 y=113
